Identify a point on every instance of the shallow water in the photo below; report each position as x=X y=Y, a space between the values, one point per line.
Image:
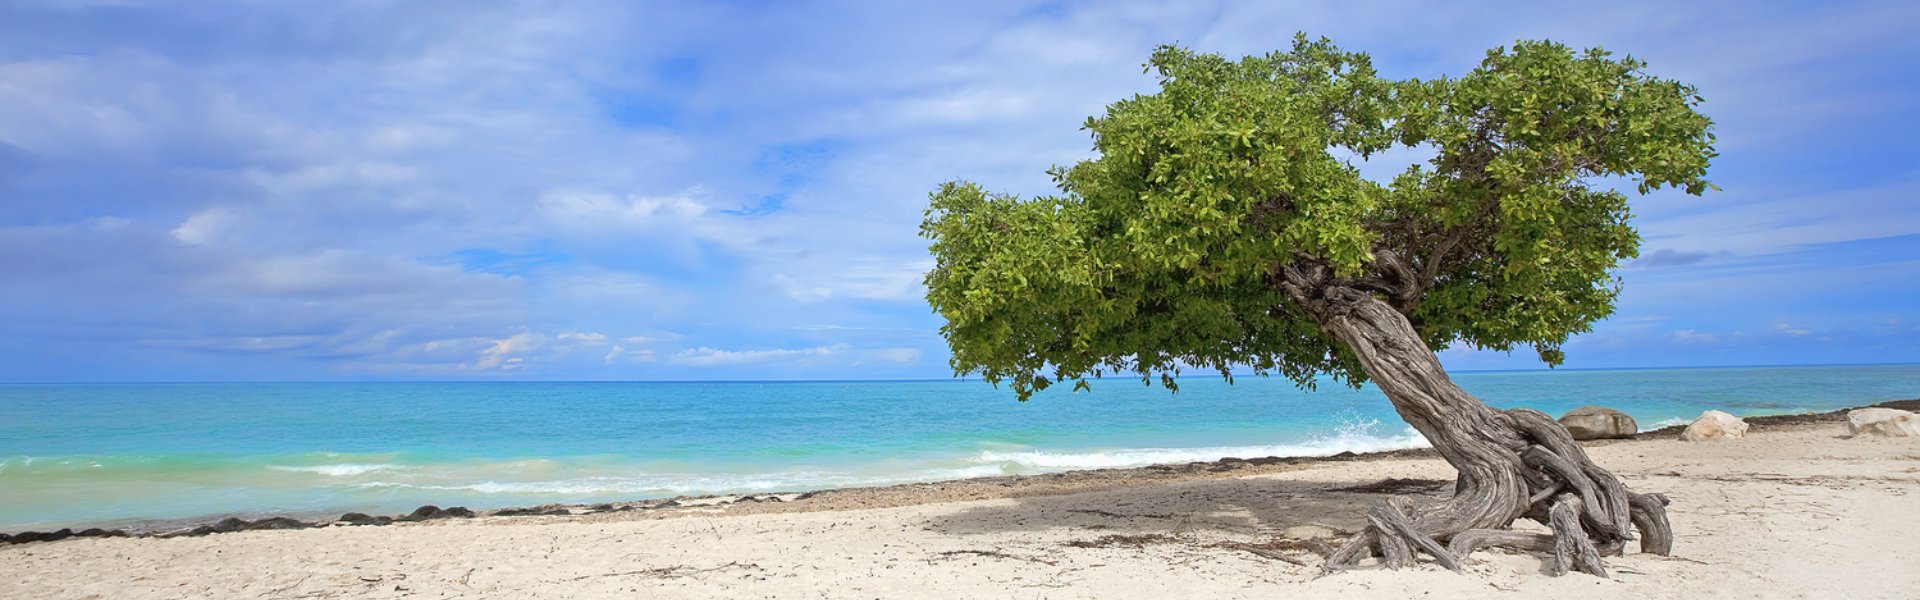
x=96 y=453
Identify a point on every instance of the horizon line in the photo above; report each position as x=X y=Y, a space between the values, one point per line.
x=918 y=379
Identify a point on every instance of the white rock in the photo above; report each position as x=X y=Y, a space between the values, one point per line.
x=1883 y=421
x=1714 y=425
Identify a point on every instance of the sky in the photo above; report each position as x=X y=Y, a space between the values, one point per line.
x=453 y=190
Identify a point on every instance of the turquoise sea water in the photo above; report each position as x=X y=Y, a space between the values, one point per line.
x=73 y=454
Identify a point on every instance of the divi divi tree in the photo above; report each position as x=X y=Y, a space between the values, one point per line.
x=1222 y=225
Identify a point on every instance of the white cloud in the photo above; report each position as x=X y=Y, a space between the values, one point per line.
x=327 y=176
x=589 y=210
x=799 y=292
x=867 y=279
x=710 y=357
x=967 y=106
x=1751 y=222
x=1689 y=336
x=205 y=227
x=899 y=355
x=402 y=138
x=1790 y=330
x=587 y=338
x=619 y=353
x=502 y=353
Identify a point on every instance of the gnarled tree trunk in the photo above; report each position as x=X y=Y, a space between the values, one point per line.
x=1512 y=464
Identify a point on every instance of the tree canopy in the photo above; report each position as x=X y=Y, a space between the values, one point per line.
x=1171 y=246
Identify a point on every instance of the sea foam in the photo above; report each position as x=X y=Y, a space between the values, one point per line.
x=340 y=470
x=1665 y=423
x=640 y=485
x=1354 y=437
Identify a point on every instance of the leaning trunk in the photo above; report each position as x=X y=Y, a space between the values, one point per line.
x=1477 y=440
x=1512 y=464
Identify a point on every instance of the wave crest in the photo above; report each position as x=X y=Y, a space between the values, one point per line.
x=340 y=470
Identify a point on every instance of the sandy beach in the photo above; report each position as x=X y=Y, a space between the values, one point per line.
x=1795 y=510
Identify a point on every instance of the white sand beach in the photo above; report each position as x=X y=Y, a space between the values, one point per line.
x=1800 y=511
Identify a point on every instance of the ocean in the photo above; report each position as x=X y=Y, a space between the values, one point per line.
x=90 y=454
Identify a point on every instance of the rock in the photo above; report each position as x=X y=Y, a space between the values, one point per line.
x=277 y=523
x=1714 y=425
x=227 y=525
x=6 y=538
x=1906 y=405
x=42 y=536
x=98 y=532
x=1598 y=423
x=1888 y=422
x=431 y=512
x=364 y=519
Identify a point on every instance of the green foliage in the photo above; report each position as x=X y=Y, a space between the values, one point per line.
x=1162 y=251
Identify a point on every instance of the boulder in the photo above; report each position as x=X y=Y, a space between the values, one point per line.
x=1598 y=423
x=1714 y=425
x=1888 y=422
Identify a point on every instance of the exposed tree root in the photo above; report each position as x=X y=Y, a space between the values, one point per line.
x=1590 y=512
x=1572 y=547
x=1649 y=513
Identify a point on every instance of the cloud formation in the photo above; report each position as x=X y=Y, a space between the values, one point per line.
x=651 y=190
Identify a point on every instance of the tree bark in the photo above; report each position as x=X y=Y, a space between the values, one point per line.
x=1512 y=464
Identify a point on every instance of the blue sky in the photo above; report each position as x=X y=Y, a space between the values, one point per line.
x=634 y=190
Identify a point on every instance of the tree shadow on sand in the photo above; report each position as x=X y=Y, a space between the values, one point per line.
x=1235 y=507
x=1293 y=521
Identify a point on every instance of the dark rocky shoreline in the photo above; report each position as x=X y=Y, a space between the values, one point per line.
x=1041 y=482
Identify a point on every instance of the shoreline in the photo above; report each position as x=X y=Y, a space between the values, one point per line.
x=845 y=498
x=1795 y=509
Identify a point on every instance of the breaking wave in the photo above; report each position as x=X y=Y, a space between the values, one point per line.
x=1354 y=437
x=340 y=470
